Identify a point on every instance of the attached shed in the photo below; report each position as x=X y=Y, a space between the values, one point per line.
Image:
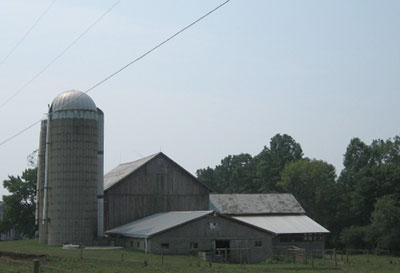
x=218 y=237
x=279 y=213
x=150 y=185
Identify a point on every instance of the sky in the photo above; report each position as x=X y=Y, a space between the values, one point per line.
x=323 y=72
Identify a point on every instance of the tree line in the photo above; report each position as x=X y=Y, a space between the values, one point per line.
x=360 y=207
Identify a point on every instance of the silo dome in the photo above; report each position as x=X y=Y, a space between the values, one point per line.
x=73 y=100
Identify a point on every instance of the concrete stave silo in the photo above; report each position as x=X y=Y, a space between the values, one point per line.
x=73 y=170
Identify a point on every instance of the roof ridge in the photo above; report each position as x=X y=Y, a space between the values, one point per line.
x=126 y=163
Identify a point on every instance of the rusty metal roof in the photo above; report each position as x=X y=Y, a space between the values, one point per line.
x=123 y=170
x=284 y=224
x=156 y=223
x=247 y=204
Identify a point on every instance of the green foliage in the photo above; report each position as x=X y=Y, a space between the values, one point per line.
x=246 y=174
x=234 y=174
x=371 y=174
x=19 y=206
x=271 y=161
x=384 y=230
x=313 y=184
x=355 y=237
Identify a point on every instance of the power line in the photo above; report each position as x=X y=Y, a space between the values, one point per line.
x=124 y=67
x=58 y=56
x=27 y=33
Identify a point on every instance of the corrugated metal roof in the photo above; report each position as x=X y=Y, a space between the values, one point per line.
x=73 y=100
x=284 y=203
x=284 y=224
x=123 y=170
x=156 y=223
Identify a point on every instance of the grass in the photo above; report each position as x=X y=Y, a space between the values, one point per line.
x=61 y=260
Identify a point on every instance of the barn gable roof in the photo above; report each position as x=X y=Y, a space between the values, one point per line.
x=255 y=204
x=284 y=224
x=117 y=174
x=161 y=222
x=157 y=223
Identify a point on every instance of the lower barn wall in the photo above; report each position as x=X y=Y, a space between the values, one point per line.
x=203 y=235
x=308 y=241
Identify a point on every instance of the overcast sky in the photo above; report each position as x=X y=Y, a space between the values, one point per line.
x=321 y=71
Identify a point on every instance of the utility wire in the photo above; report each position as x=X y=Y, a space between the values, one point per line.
x=122 y=68
x=58 y=56
x=27 y=33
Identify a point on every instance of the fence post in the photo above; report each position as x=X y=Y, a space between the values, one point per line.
x=293 y=257
x=36 y=266
x=347 y=255
x=335 y=258
x=312 y=258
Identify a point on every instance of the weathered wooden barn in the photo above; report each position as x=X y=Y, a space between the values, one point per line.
x=150 y=185
x=277 y=213
x=216 y=236
x=155 y=205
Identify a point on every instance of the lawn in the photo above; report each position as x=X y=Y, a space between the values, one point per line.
x=57 y=259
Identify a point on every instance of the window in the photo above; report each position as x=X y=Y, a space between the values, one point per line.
x=165 y=245
x=291 y=238
x=257 y=243
x=131 y=244
x=194 y=245
x=138 y=244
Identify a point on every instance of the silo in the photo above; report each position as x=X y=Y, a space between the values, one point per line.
x=42 y=225
x=72 y=170
x=100 y=174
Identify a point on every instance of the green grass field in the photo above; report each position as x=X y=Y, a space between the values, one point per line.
x=61 y=260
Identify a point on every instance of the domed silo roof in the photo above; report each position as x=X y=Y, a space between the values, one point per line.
x=73 y=100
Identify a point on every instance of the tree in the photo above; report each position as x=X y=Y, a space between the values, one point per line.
x=313 y=184
x=271 y=161
x=233 y=175
x=371 y=172
x=246 y=174
x=19 y=206
x=384 y=231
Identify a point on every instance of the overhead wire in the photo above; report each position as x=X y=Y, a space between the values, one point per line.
x=58 y=56
x=27 y=33
x=122 y=68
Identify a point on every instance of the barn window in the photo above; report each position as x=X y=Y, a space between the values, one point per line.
x=257 y=243
x=165 y=245
x=194 y=245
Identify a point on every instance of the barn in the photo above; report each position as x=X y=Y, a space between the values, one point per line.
x=155 y=205
x=277 y=213
x=147 y=186
x=216 y=236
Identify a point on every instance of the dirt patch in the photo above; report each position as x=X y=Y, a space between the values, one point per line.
x=4 y=255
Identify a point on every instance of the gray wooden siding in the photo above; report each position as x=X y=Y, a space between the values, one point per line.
x=200 y=231
x=159 y=186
